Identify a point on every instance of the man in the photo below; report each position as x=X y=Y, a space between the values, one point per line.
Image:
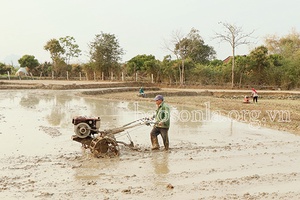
x=162 y=123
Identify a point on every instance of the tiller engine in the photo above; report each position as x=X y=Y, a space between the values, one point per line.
x=101 y=143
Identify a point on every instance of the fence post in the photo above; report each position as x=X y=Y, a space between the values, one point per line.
x=136 y=77
x=67 y=75
x=52 y=75
x=152 y=78
x=80 y=76
x=122 y=76
x=8 y=75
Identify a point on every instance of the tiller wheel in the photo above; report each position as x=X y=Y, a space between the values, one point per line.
x=104 y=146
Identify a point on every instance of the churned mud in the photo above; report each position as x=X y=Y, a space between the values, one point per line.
x=211 y=156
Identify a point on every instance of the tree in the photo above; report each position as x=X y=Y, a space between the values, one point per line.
x=71 y=49
x=153 y=67
x=43 y=69
x=259 y=63
x=76 y=69
x=89 y=69
x=56 y=52
x=235 y=37
x=28 y=61
x=275 y=72
x=55 y=49
x=168 y=69
x=285 y=54
x=2 y=68
x=137 y=63
x=191 y=46
x=106 y=52
x=216 y=62
x=61 y=52
x=6 y=68
x=242 y=63
x=179 y=51
x=286 y=46
x=198 y=51
x=204 y=74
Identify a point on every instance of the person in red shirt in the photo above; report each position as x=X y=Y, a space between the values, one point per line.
x=254 y=95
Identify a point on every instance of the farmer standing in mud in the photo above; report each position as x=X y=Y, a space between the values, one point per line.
x=162 y=123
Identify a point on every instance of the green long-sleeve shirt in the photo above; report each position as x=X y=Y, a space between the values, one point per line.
x=163 y=115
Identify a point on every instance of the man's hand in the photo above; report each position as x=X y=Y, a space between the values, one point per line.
x=147 y=123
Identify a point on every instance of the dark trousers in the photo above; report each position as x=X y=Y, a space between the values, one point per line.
x=164 y=134
x=255 y=99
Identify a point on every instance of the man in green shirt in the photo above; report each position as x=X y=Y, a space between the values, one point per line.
x=162 y=123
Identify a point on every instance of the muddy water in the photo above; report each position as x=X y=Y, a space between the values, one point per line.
x=39 y=122
x=211 y=157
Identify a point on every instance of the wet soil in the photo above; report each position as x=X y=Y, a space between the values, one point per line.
x=279 y=110
x=213 y=155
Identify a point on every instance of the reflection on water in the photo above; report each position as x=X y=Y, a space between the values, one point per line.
x=27 y=111
x=160 y=162
x=57 y=108
x=92 y=168
x=29 y=101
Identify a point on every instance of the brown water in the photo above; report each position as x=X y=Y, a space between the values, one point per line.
x=210 y=158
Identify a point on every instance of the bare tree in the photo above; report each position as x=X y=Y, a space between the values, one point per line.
x=176 y=39
x=235 y=37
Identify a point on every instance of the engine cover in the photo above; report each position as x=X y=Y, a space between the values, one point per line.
x=85 y=126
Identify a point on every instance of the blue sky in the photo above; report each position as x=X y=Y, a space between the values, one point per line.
x=141 y=26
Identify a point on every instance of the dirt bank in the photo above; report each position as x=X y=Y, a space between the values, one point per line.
x=65 y=84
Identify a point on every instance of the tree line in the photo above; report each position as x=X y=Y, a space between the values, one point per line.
x=275 y=64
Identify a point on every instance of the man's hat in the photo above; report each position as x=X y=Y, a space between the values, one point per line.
x=159 y=97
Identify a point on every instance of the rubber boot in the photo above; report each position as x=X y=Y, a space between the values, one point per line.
x=155 y=145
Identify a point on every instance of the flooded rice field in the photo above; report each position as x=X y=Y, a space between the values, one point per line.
x=210 y=156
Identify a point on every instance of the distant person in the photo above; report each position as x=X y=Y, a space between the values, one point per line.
x=246 y=99
x=162 y=123
x=254 y=95
x=141 y=92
